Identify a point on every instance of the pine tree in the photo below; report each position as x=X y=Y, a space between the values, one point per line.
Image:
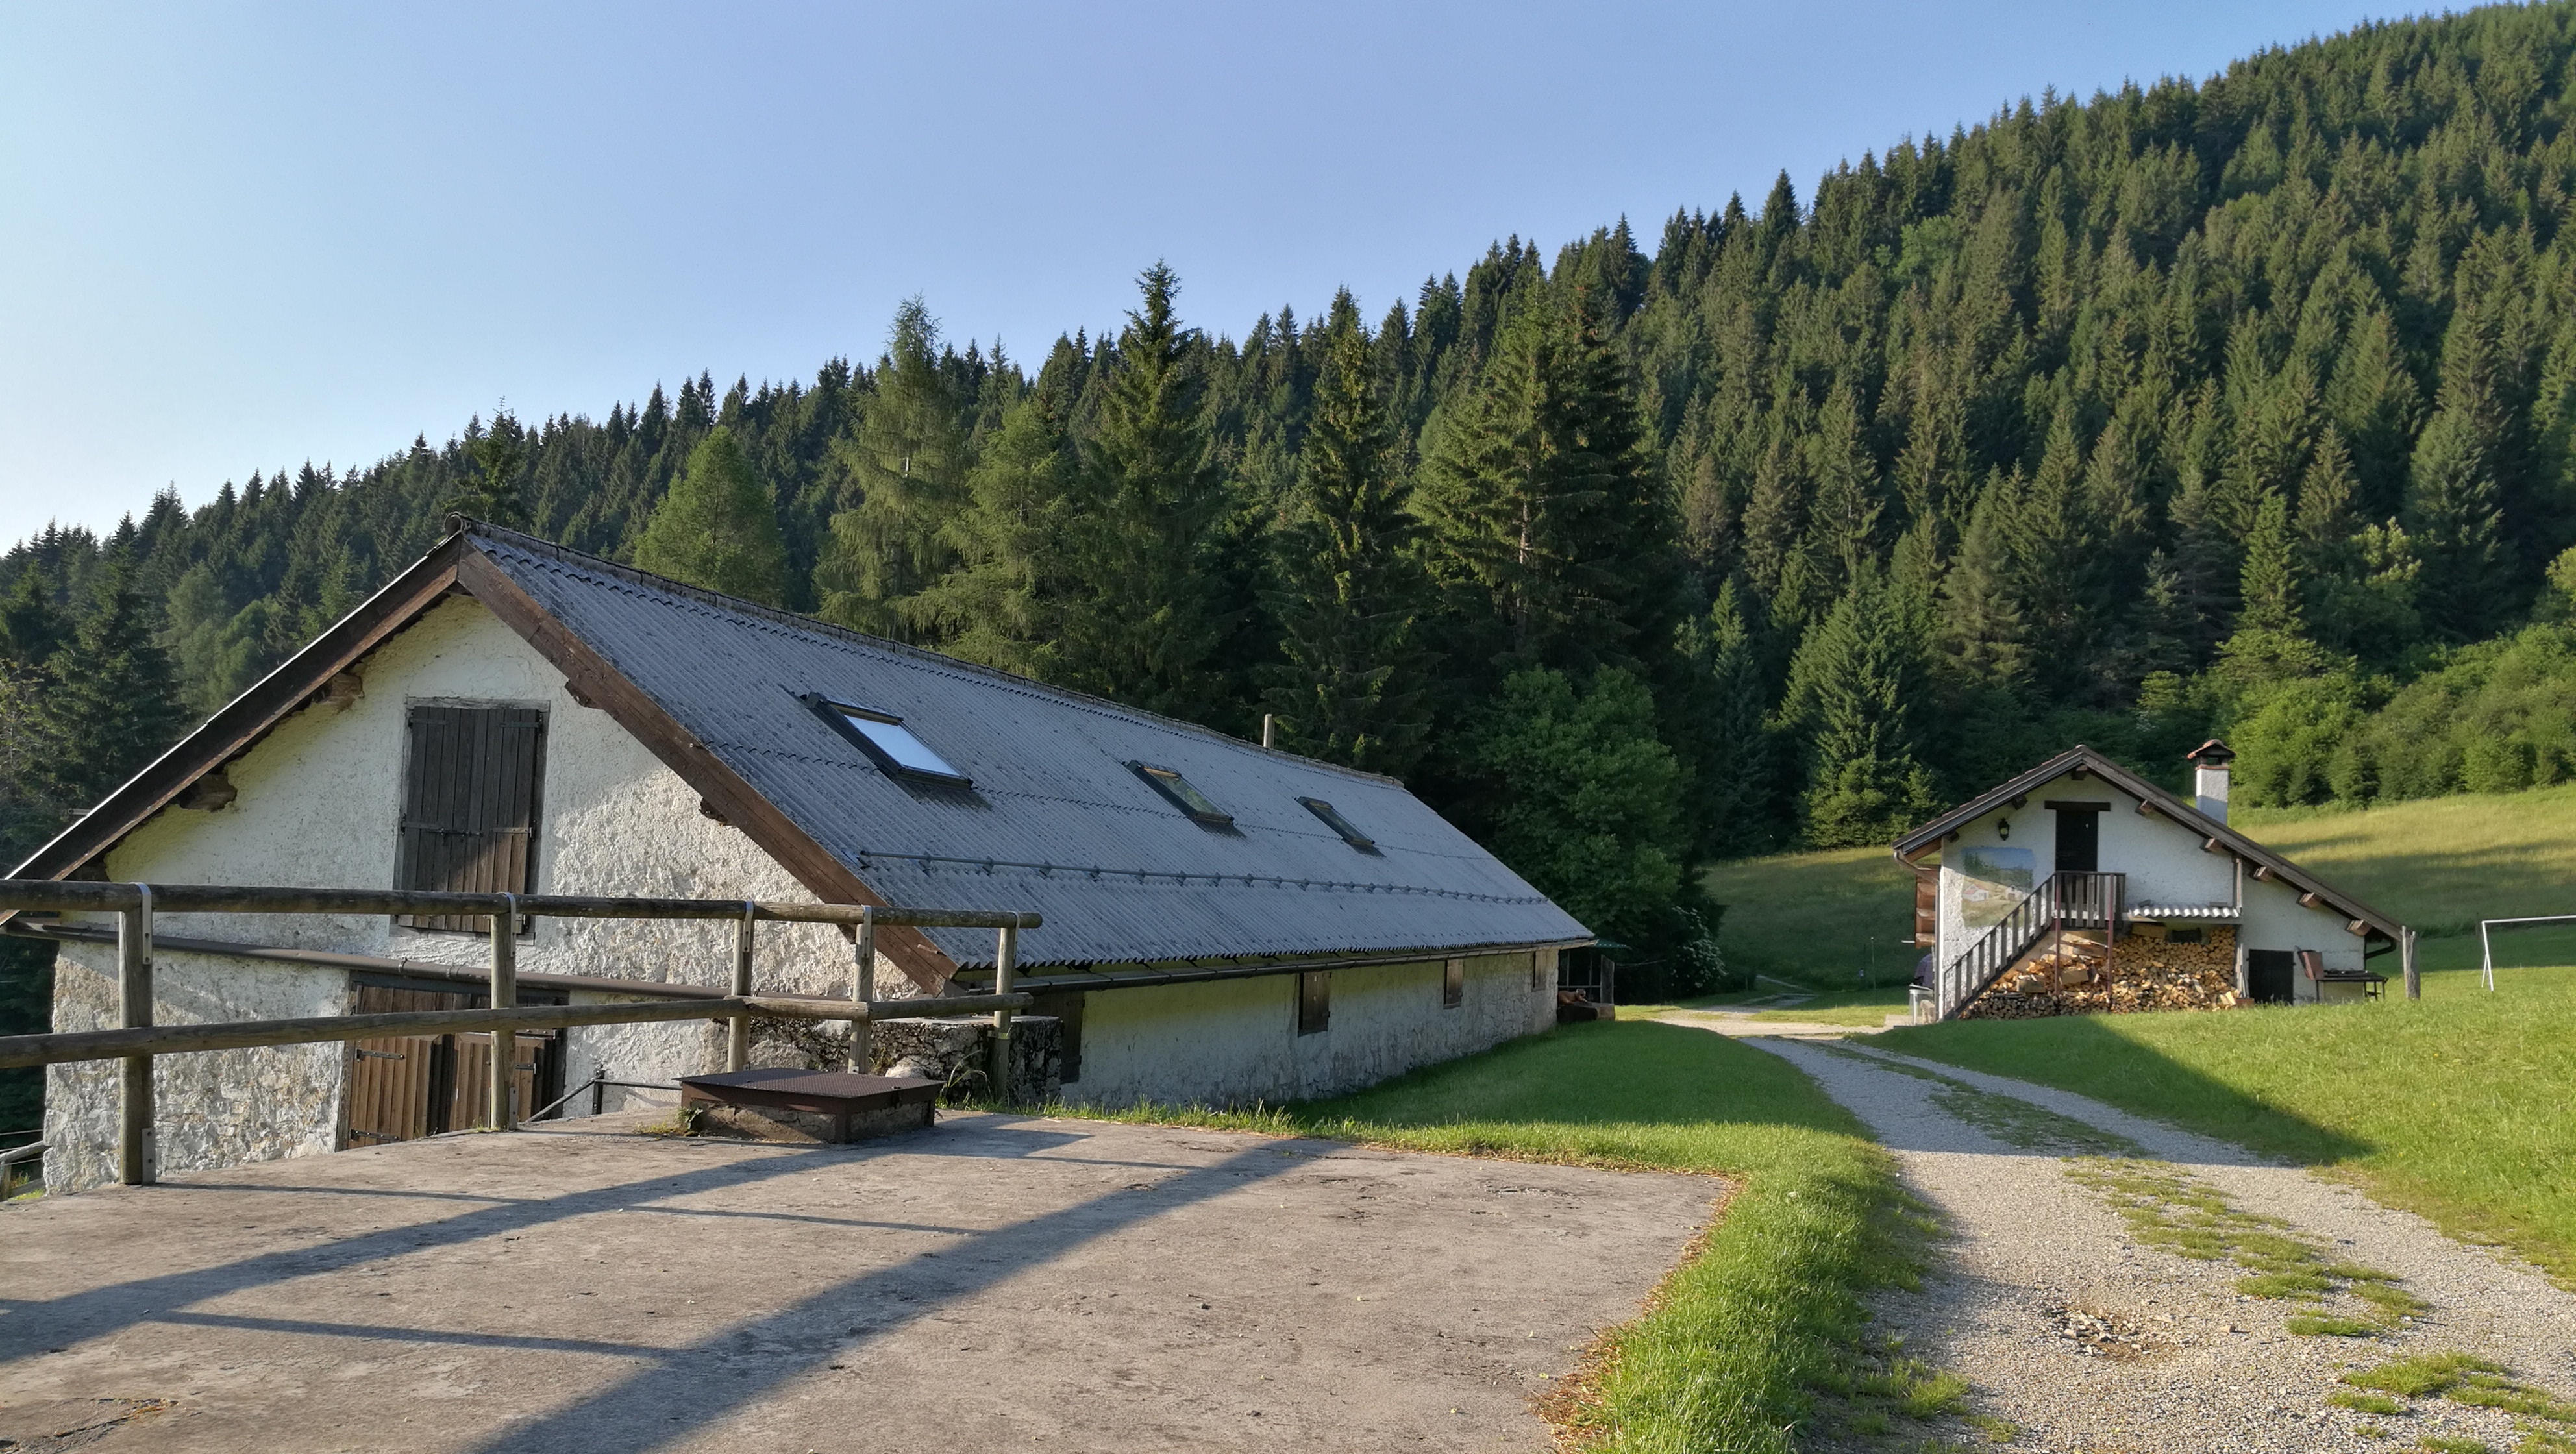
x=1144 y=620
x=1351 y=689
x=718 y=526
x=907 y=467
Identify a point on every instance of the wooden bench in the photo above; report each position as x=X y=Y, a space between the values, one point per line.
x=823 y=1106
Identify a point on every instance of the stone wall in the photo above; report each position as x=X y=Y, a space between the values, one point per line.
x=955 y=1052
x=2148 y=972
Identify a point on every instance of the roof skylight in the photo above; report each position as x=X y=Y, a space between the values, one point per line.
x=1181 y=795
x=1334 y=820
x=887 y=742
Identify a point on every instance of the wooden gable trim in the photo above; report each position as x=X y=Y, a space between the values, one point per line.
x=594 y=680
x=309 y=677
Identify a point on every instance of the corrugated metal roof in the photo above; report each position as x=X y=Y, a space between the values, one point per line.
x=1055 y=821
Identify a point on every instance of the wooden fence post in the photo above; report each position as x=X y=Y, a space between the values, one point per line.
x=505 y=995
x=137 y=1157
x=1006 y=968
x=738 y=1034
x=2406 y=959
x=863 y=989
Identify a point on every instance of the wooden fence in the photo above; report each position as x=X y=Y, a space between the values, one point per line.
x=137 y=1039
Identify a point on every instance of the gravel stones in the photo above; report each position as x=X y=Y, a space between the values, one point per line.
x=2081 y=1340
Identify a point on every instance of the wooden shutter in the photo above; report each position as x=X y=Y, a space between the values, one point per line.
x=470 y=796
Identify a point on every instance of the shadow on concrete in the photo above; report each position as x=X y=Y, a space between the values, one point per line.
x=733 y=1369
x=726 y=1371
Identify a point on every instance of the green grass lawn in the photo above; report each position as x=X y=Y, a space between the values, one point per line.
x=1838 y=918
x=2457 y=1107
x=1842 y=917
x=1739 y=1343
x=2439 y=864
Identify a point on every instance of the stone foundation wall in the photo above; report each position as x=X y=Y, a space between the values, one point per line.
x=2148 y=972
x=954 y=1052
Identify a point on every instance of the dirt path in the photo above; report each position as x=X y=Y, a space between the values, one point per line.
x=2065 y=1296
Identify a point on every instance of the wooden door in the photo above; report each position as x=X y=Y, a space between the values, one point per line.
x=2268 y=974
x=398 y=1083
x=389 y=1088
x=471 y=1099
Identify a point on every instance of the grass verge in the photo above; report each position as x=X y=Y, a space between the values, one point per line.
x=1762 y=1329
x=2454 y=1107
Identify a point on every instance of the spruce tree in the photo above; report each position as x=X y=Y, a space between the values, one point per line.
x=1736 y=771
x=115 y=705
x=1145 y=620
x=1855 y=690
x=906 y=466
x=1352 y=687
x=718 y=526
x=496 y=456
x=1545 y=516
x=1984 y=640
x=2454 y=510
x=2271 y=584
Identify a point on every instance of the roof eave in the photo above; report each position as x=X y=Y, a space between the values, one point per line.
x=1930 y=835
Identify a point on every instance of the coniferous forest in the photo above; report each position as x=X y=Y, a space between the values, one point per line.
x=2245 y=407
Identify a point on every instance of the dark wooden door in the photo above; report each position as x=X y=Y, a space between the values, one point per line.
x=2079 y=840
x=2269 y=974
x=399 y=1085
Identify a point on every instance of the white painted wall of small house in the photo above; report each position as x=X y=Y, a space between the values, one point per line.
x=2165 y=863
x=317 y=804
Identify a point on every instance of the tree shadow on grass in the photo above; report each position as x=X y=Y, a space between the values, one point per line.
x=2083 y=1054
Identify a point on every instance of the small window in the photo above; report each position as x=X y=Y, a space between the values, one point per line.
x=1314 y=1001
x=1334 y=820
x=1178 y=791
x=2186 y=936
x=887 y=742
x=1453 y=984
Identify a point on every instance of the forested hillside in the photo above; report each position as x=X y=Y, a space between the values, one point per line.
x=2244 y=406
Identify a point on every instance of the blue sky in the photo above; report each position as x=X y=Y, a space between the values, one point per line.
x=242 y=236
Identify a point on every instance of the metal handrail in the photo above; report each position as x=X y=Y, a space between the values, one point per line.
x=2080 y=900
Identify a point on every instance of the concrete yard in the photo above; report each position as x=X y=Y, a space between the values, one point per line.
x=995 y=1283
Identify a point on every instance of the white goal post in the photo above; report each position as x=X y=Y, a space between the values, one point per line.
x=2486 y=941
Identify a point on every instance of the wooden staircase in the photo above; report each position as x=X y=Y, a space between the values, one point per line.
x=2062 y=902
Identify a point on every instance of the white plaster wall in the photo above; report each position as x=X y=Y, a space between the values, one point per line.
x=318 y=803
x=220 y=1108
x=2164 y=860
x=1236 y=1042
x=2275 y=920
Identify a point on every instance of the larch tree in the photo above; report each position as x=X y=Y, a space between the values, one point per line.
x=906 y=467
x=718 y=526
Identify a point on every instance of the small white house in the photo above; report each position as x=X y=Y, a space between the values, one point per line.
x=1222 y=922
x=2081 y=849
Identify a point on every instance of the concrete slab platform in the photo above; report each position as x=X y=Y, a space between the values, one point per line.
x=995 y=1283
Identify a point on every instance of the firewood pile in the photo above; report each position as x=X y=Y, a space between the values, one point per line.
x=2146 y=974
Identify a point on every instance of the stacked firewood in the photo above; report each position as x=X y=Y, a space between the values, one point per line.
x=2071 y=977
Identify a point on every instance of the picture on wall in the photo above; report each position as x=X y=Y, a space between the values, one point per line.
x=1991 y=881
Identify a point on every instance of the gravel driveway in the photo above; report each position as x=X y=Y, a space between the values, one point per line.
x=2081 y=1335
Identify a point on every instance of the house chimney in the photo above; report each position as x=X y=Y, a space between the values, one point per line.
x=2209 y=777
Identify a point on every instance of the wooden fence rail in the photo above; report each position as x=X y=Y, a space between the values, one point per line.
x=137 y=1039
x=69 y=1046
